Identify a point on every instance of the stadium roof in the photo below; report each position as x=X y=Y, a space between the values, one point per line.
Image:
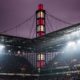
x=55 y=40
x=48 y=43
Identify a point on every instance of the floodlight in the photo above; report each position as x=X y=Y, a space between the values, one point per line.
x=2 y=46
x=70 y=47
x=78 y=41
x=2 y=49
x=71 y=44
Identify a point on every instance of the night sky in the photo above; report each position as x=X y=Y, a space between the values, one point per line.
x=13 y=12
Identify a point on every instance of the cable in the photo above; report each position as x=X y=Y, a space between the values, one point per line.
x=47 y=27
x=48 y=22
x=31 y=29
x=54 y=17
x=34 y=33
x=18 y=24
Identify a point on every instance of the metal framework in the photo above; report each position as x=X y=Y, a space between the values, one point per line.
x=50 y=45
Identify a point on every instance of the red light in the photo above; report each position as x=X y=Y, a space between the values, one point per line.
x=40 y=22
x=40 y=7
x=40 y=63
x=40 y=33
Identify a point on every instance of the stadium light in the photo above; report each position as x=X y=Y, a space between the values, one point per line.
x=76 y=33
x=71 y=44
x=70 y=47
x=2 y=46
x=78 y=41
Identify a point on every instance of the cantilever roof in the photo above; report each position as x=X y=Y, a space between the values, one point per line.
x=60 y=37
x=49 y=42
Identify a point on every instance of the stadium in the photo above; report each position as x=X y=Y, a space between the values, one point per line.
x=47 y=56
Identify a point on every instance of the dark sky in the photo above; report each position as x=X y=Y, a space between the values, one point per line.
x=13 y=12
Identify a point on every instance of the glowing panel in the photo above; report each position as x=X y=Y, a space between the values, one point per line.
x=41 y=57
x=40 y=28
x=40 y=14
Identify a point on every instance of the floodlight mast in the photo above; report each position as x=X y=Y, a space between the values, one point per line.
x=40 y=32
x=40 y=21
